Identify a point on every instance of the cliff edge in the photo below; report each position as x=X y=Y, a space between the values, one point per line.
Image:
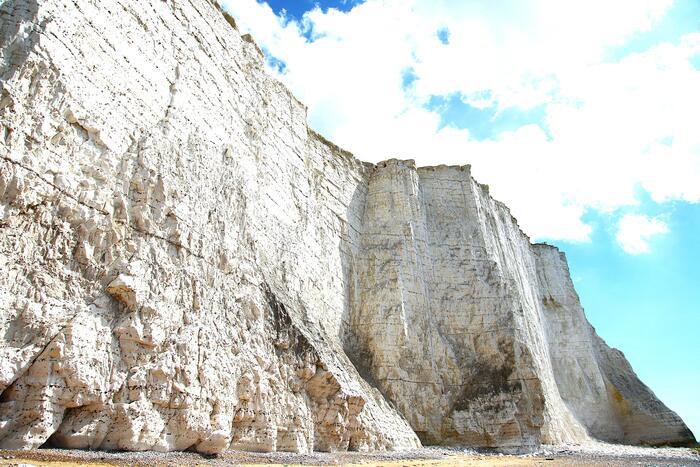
x=184 y=264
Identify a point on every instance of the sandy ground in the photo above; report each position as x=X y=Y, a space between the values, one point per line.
x=597 y=454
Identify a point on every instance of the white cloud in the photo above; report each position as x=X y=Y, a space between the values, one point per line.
x=610 y=128
x=635 y=230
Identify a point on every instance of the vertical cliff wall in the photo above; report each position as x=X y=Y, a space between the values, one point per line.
x=173 y=241
x=477 y=335
x=185 y=265
x=448 y=313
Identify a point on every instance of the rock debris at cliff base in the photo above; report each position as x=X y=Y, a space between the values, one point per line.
x=595 y=454
x=185 y=265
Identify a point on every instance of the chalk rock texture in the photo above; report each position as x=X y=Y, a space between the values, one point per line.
x=184 y=264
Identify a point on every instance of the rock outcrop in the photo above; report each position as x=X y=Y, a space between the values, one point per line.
x=184 y=264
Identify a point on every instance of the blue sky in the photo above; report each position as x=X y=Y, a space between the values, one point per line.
x=297 y=8
x=581 y=116
x=683 y=17
x=648 y=305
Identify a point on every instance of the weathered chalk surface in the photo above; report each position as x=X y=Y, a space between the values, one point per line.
x=184 y=264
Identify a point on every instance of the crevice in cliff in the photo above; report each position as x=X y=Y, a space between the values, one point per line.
x=15 y=14
x=51 y=442
x=54 y=186
x=288 y=335
x=28 y=366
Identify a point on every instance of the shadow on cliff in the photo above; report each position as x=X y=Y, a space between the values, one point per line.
x=19 y=33
x=351 y=252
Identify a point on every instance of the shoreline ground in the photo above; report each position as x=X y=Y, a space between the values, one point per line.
x=595 y=454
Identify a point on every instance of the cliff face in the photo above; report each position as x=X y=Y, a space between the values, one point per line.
x=184 y=264
x=477 y=335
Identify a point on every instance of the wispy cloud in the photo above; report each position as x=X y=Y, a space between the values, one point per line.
x=635 y=230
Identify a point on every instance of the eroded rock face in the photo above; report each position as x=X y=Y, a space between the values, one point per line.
x=171 y=242
x=595 y=381
x=477 y=335
x=185 y=265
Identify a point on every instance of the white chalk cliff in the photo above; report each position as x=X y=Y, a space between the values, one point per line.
x=184 y=264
